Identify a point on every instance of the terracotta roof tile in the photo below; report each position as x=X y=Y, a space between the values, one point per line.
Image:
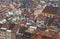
x=22 y=22
x=5 y=26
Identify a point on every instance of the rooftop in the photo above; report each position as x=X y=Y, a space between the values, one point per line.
x=50 y=10
x=12 y=28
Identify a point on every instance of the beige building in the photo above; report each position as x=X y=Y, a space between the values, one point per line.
x=6 y=33
x=39 y=8
x=2 y=33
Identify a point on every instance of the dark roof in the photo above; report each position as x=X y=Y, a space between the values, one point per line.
x=0 y=25
x=5 y=26
x=58 y=12
x=11 y=26
x=4 y=9
x=50 y=9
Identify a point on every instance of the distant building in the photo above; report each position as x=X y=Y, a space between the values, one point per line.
x=54 y=3
x=51 y=13
x=40 y=7
x=8 y=31
x=25 y=3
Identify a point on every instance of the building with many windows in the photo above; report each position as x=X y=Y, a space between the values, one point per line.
x=8 y=31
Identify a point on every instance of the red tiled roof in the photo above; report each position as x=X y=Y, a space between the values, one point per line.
x=5 y=26
x=29 y=15
x=0 y=25
x=4 y=9
x=22 y=22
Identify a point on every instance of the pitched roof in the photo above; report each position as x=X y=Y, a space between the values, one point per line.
x=0 y=25
x=15 y=29
x=50 y=10
x=58 y=12
x=5 y=26
x=4 y=9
